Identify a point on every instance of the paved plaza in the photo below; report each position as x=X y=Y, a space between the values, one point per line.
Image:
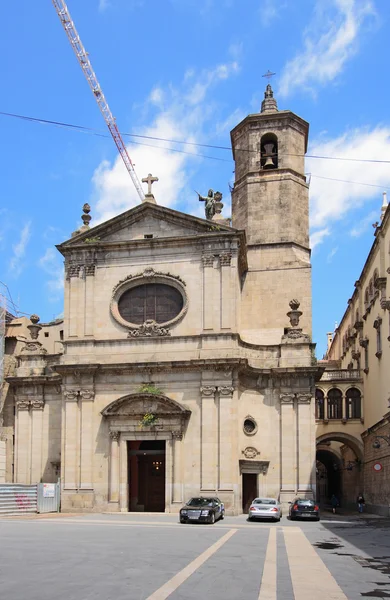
x=152 y=557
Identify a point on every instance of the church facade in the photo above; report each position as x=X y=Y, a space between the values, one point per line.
x=187 y=363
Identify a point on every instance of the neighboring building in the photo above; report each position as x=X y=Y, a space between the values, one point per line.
x=353 y=396
x=180 y=373
x=16 y=334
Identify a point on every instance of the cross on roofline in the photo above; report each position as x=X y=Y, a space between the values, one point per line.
x=149 y=180
x=268 y=75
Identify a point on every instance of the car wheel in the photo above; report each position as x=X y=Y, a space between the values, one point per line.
x=182 y=521
x=212 y=519
x=317 y=518
x=222 y=516
x=277 y=519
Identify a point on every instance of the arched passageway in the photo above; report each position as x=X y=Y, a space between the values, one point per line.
x=338 y=468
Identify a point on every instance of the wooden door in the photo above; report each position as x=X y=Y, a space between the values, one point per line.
x=249 y=490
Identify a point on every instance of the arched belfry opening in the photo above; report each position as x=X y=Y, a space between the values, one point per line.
x=269 y=151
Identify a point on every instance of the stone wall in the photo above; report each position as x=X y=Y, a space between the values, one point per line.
x=2 y=461
x=377 y=483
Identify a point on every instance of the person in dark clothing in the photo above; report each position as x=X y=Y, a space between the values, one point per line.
x=360 y=502
x=334 y=502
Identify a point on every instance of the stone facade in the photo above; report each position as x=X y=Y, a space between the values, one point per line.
x=360 y=348
x=219 y=396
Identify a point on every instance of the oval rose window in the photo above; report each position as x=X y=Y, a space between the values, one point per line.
x=155 y=301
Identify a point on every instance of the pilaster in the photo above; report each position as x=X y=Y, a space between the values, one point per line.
x=306 y=442
x=71 y=459
x=288 y=444
x=225 y=433
x=86 y=438
x=177 y=485
x=114 y=466
x=22 y=440
x=208 y=437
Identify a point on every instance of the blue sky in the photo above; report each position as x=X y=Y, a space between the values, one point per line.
x=188 y=70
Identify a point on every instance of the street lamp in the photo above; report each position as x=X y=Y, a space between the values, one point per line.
x=376 y=443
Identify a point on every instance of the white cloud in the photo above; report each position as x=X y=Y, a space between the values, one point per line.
x=364 y=224
x=19 y=249
x=269 y=11
x=318 y=237
x=183 y=116
x=51 y=263
x=329 y=41
x=332 y=200
x=331 y=254
x=103 y=5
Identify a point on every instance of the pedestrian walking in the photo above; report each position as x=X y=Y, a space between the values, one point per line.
x=334 y=502
x=360 y=502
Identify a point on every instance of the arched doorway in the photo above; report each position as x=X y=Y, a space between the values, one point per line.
x=339 y=458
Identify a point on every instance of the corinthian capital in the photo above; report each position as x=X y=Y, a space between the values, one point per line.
x=226 y=390
x=87 y=394
x=287 y=398
x=71 y=395
x=304 y=398
x=208 y=390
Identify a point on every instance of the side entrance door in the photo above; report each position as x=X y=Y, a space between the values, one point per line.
x=249 y=490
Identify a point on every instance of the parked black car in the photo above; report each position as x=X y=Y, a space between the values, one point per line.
x=305 y=509
x=202 y=510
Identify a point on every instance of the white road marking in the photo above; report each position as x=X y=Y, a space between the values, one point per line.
x=124 y=523
x=268 y=580
x=309 y=575
x=168 y=588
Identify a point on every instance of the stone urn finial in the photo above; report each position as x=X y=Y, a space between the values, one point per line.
x=86 y=217
x=34 y=328
x=294 y=314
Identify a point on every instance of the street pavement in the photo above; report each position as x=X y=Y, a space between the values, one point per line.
x=153 y=557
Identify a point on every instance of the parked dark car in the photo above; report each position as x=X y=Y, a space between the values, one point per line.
x=305 y=509
x=202 y=510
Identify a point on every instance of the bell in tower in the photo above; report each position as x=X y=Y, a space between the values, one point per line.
x=269 y=151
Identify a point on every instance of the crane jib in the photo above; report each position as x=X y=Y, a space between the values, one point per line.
x=83 y=59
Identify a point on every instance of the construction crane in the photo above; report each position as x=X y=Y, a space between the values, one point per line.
x=85 y=64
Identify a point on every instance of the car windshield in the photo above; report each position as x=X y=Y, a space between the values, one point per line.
x=201 y=502
x=263 y=501
x=305 y=502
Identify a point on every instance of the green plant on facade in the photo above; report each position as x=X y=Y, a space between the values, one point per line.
x=149 y=388
x=148 y=420
x=92 y=240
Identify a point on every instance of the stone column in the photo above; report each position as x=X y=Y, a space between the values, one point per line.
x=114 y=466
x=71 y=440
x=89 y=299
x=74 y=299
x=208 y=437
x=225 y=432
x=86 y=438
x=177 y=484
x=123 y=476
x=227 y=297
x=37 y=407
x=22 y=440
x=343 y=407
x=306 y=442
x=288 y=444
x=208 y=299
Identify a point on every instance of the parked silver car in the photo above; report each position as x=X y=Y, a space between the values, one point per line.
x=265 y=508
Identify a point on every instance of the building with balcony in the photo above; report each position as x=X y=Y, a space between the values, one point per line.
x=353 y=395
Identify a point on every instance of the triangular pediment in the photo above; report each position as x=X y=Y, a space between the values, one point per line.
x=146 y=220
x=137 y=405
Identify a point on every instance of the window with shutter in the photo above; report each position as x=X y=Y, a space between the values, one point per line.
x=151 y=301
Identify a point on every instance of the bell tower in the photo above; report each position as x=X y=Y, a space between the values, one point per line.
x=270 y=201
x=270 y=197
